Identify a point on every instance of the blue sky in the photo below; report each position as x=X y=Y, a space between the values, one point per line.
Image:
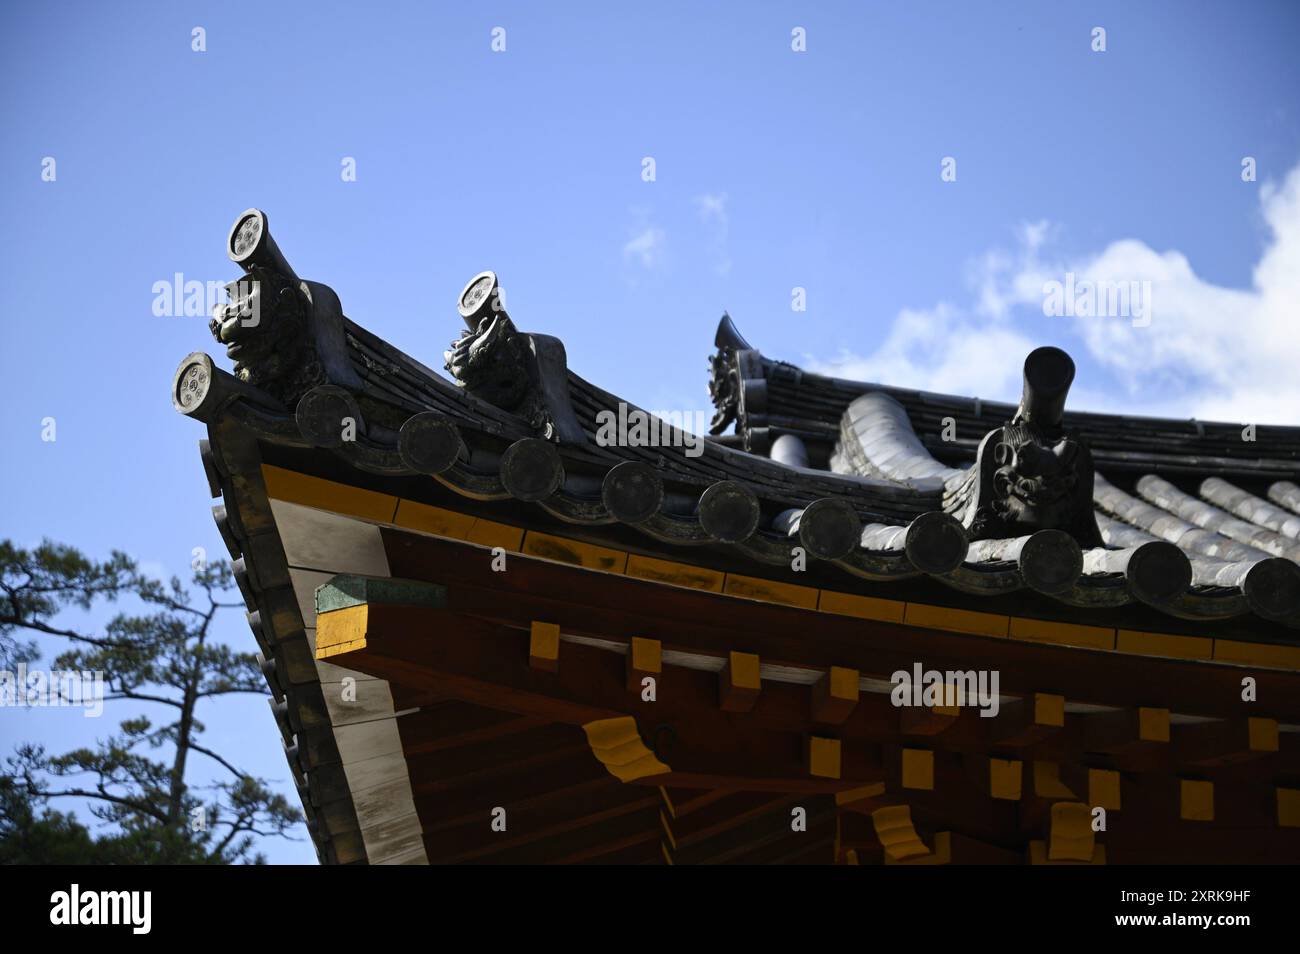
x=775 y=170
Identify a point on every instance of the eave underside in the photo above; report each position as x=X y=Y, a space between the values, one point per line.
x=481 y=647
x=482 y=724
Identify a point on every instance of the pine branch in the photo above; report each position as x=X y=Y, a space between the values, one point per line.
x=214 y=756
x=135 y=806
x=16 y=622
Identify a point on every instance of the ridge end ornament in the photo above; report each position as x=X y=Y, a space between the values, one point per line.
x=724 y=375
x=285 y=334
x=523 y=373
x=1033 y=473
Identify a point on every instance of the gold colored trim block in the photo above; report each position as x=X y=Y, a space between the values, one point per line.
x=293 y=487
x=647 y=654
x=1070 y=834
x=1257 y=654
x=617 y=745
x=897 y=836
x=823 y=757
x=435 y=520
x=1163 y=644
x=675 y=574
x=1288 y=807
x=1104 y=789
x=1262 y=734
x=548 y=547
x=1062 y=634
x=956 y=620
x=863 y=607
x=918 y=769
x=488 y=533
x=544 y=646
x=1195 y=800
x=1049 y=709
x=770 y=591
x=1006 y=779
x=341 y=631
x=1153 y=724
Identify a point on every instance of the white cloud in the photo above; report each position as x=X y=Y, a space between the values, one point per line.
x=1210 y=352
x=939 y=349
x=1234 y=352
x=712 y=208
x=646 y=247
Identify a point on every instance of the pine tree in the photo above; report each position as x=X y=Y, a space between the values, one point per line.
x=135 y=780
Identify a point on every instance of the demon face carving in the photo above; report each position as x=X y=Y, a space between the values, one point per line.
x=1032 y=473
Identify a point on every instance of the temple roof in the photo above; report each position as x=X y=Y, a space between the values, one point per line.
x=841 y=519
x=781 y=398
x=1223 y=494
x=859 y=476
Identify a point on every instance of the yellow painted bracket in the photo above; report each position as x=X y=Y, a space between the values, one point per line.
x=617 y=744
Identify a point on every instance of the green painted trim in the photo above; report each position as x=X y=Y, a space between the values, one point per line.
x=347 y=590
